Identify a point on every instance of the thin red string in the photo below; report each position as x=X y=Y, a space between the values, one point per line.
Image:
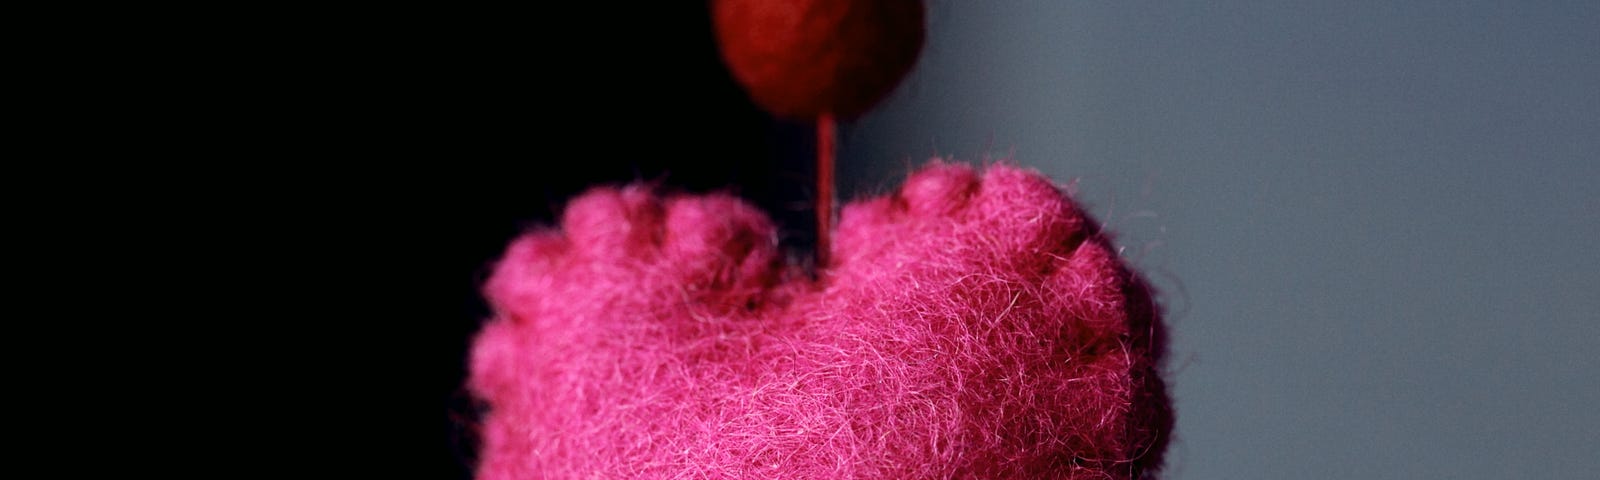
x=825 y=153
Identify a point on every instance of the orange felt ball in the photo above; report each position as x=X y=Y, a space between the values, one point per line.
x=806 y=58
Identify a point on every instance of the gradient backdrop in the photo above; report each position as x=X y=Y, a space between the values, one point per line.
x=1375 y=223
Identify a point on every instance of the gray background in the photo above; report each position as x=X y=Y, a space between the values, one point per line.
x=1373 y=222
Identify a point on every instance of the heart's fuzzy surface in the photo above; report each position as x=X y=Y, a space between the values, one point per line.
x=972 y=325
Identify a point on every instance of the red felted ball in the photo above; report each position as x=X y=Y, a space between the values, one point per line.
x=805 y=58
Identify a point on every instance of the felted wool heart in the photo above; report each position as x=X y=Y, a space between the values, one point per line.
x=970 y=326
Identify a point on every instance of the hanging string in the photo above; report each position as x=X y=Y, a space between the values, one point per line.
x=825 y=157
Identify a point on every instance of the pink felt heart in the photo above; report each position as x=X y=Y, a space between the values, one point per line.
x=971 y=326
